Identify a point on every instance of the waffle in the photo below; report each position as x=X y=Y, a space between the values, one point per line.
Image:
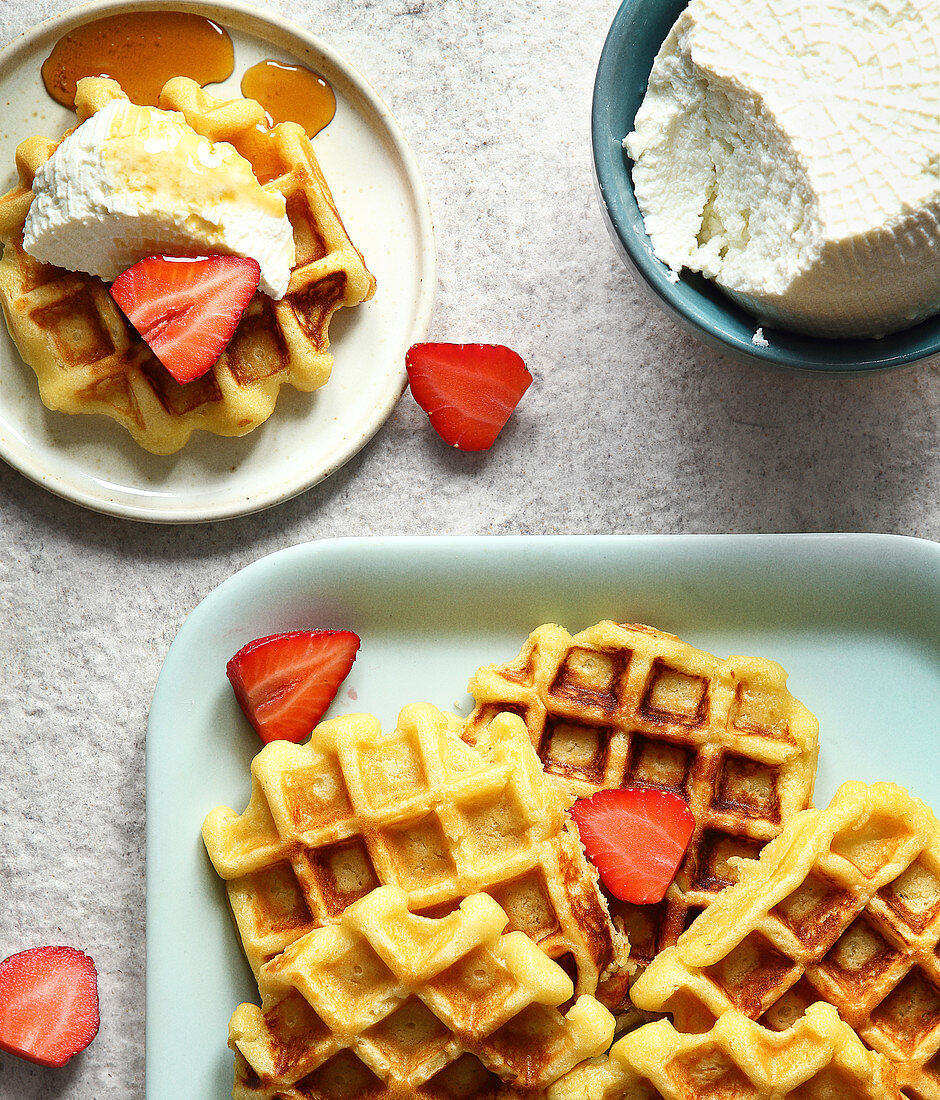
x=354 y=808
x=818 y=1058
x=618 y=706
x=386 y=1005
x=89 y=359
x=843 y=907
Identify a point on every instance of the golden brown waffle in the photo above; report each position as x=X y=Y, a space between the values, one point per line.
x=818 y=1058
x=386 y=1005
x=844 y=906
x=89 y=359
x=619 y=706
x=355 y=808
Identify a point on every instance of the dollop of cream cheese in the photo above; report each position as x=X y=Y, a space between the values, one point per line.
x=135 y=181
x=790 y=150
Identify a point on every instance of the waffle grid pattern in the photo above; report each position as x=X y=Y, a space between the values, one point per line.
x=391 y=1006
x=619 y=705
x=416 y=808
x=843 y=907
x=818 y=1058
x=89 y=359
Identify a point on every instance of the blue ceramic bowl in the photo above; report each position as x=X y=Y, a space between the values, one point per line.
x=635 y=36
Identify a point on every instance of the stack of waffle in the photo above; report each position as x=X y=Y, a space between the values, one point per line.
x=422 y=922
x=449 y=827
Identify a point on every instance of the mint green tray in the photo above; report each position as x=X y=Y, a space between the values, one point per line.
x=855 y=619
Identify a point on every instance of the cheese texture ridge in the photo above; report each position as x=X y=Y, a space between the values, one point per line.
x=135 y=181
x=790 y=150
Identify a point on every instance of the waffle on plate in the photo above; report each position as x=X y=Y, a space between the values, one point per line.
x=416 y=807
x=617 y=706
x=89 y=359
x=387 y=1005
x=844 y=907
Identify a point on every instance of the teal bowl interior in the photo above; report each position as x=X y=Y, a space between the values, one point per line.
x=637 y=32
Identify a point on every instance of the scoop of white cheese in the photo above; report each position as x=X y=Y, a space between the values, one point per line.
x=790 y=150
x=137 y=181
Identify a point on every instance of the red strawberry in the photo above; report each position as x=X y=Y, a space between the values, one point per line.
x=48 y=1004
x=636 y=838
x=285 y=682
x=187 y=308
x=468 y=390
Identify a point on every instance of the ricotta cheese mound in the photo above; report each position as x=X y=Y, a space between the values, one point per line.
x=135 y=181
x=790 y=150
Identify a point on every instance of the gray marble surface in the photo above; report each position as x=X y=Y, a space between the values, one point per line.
x=629 y=427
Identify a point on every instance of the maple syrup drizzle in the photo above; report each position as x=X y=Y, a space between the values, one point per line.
x=290 y=93
x=142 y=51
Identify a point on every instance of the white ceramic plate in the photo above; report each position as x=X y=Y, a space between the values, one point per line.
x=379 y=190
x=855 y=619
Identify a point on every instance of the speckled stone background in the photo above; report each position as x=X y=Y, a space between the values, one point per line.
x=630 y=427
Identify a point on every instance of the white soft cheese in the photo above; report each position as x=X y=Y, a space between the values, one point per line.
x=136 y=181
x=790 y=150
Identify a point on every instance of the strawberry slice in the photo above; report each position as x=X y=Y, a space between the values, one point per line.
x=468 y=390
x=285 y=682
x=636 y=838
x=187 y=308
x=48 y=1004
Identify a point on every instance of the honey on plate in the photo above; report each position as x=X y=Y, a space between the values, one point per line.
x=141 y=51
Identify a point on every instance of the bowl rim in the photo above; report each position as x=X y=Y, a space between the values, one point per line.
x=698 y=306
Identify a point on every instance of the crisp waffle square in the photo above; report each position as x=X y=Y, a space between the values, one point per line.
x=619 y=706
x=844 y=907
x=817 y=1058
x=354 y=808
x=89 y=359
x=387 y=1005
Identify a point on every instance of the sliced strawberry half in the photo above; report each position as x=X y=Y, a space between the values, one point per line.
x=636 y=838
x=469 y=391
x=187 y=308
x=48 y=1004
x=285 y=682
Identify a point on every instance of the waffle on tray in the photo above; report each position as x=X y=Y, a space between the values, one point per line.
x=843 y=907
x=818 y=1058
x=354 y=808
x=619 y=705
x=387 y=1005
x=89 y=359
